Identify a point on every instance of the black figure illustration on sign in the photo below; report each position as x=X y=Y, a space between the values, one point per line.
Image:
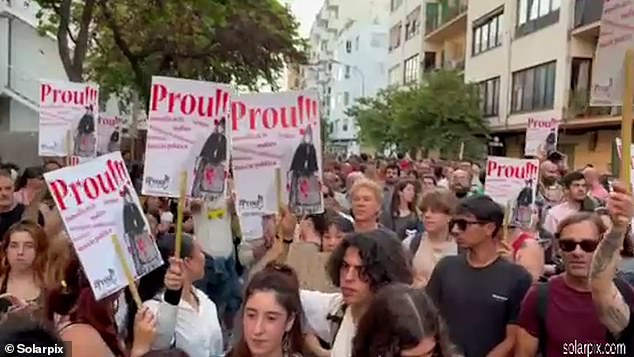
x=209 y=175
x=523 y=207
x=85 y=139
x=113 y=143
x=140 y=244
x=551 y=142
x=303 y=177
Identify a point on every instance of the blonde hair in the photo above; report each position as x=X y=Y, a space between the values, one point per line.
x=370 y=185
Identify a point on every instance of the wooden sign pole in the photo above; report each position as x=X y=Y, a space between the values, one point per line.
x=626 y=123
x=179 y=215
x=126 y=270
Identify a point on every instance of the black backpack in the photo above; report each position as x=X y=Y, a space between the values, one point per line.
x=542 y=306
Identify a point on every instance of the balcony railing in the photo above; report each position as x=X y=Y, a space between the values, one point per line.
x=587 y=12
x=579 y=106
x=445 y=11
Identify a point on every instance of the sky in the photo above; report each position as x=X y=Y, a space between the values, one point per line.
x=305 y=11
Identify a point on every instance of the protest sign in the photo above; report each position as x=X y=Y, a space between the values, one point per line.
x=274 y=129
x=96 y=201
x=187 y=132
x=513 y=183
x=109 y=134
x=616 y=36
x=541 y=136
x=67 y=125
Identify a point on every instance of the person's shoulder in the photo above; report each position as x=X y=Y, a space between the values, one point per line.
x=451 y=261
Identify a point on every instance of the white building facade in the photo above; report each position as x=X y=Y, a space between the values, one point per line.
x=333 y=16
x=25 y=58
x=360 y=67
x=405 y=45
x=534 y=59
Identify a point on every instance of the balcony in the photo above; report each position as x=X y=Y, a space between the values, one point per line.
x=587 y=18
x=445 y=19
x=579 y=109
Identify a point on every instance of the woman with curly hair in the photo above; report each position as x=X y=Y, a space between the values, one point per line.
x=402 y=321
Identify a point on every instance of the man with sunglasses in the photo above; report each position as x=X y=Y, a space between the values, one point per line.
x=479 y=293
x=586 y=303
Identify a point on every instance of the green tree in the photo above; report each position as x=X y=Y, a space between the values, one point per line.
x=439 y=114
x=374 y=116
x=243 y=42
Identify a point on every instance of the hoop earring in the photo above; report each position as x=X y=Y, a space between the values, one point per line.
x=286 y=344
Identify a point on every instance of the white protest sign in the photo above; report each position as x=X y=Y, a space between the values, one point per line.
x=96 y=201
x=187 y=123
x=68 y=114
x=541 y=136
x=109 y=130
x=513 y=182
x=616 y=36
x=272 y=129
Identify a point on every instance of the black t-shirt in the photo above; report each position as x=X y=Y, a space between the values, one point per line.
x=7 y=219
x=478 y=303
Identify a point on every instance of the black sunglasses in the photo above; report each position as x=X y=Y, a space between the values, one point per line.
x=463 y=224
x=587 y=245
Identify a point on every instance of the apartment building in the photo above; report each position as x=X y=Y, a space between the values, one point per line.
x=25 y=58
x=405 y=47
x=533 y=59
x=360 y=67
x=293 y=77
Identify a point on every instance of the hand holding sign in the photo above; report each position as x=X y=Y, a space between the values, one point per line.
x=620 y=206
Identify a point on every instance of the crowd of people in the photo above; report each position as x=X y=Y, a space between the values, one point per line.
x=410 y=258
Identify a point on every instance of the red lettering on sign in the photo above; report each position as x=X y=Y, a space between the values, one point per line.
x=289 y=116
x=85 y=96
x=90 y=188
x=526 y=171
x=188 y=103
x=542 y=124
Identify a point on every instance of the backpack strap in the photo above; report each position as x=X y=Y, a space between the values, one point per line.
x=335 y=322
x=542 y=310
x=415 y=243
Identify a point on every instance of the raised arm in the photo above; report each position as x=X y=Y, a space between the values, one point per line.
x=614 y=312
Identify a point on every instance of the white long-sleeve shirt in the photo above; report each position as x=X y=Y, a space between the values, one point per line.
x=197 y=332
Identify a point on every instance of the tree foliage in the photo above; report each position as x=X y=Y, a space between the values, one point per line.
x=243 y=42
x=439 y=114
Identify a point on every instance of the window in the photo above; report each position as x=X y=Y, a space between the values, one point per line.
x=324 y=45
x=356 y=43
x=345 y=125
x=395 y=36
x=393 y=77
x=429 y=61
x=534 y=88
x=348 y=47
x=489 y=91
x=411 y=66
x=346 y=73
x=395 y=4
x=378 y=40
x=486 y=34
x=533 y=15
x=412 y=25
x=346 y=98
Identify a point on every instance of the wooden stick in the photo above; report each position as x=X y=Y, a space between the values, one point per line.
x=179 y=215
x=461 y=153
x=626 y=122
x=126 y=270
x=280 y=204
x=69 y=147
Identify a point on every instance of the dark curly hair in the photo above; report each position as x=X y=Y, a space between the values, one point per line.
x=383 y=259
x=398 y=318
